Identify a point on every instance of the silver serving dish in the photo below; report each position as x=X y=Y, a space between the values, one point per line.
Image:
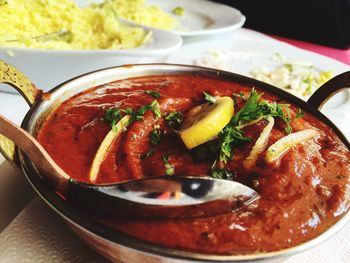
x=113 y=244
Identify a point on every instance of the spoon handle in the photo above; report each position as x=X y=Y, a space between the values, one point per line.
x=38 y=155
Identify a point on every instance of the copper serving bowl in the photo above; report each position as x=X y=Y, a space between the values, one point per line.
x=113 y=244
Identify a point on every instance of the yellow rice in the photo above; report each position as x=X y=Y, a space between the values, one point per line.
x=28 y=24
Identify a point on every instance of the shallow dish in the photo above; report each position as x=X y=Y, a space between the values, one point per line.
x=113 y=244
x=210 y=18
x=48 y=68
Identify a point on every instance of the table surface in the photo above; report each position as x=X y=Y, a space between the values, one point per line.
x=14 y=187
x=337 y=54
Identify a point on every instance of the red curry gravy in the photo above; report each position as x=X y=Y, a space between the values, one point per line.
x=300 y=198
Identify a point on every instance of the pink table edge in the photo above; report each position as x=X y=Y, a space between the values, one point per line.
x=337 y=54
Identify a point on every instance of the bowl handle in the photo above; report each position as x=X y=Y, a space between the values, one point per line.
x=329 y=89
x=10 y=75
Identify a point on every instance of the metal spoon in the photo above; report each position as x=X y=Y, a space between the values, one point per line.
x=153 y=197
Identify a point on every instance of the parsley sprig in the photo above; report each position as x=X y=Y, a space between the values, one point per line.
x=147 y=154
x=153 y=93
x=209 y=98
x=115 y=114
x=174 y=119
x=169 y=169
x=229 y=137
x=255 y=108
x=155 y=136
x=219 y=173
x=155 y=108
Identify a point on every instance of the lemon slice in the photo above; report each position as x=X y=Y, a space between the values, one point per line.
x=105 y=146
x=259 y=145
x=279 y=148
x=203 y=122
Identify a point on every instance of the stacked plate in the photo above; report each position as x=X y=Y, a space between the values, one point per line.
x=48 y=68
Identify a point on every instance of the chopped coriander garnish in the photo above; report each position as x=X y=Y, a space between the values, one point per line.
x=237 y=95
x=155 y=137
x=136 y=115
x=113 y=116
x=154 y=94
x=276 y=110
x=169 y=169
x=174 y=119
x=229 y=137
x=240 y=95
x=287 y=118
x=155 y=107
x=209 y=98
x=221 y=174
x=250 y=111
x=255 y=108
x=299 y=114
x=147 y=154
x=166 y=158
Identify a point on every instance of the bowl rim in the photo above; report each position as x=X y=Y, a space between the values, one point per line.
x=110 y=235
x=164 y=43
x=233 y=17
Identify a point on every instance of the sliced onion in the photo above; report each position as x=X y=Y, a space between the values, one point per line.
x=105 y=146
x=259 y=146
x=279 y=148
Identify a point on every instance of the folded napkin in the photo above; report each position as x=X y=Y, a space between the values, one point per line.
x=38 y=235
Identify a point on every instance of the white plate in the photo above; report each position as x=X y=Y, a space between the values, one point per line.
x=254 y=52
x=202 y=17
x=47 y=67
